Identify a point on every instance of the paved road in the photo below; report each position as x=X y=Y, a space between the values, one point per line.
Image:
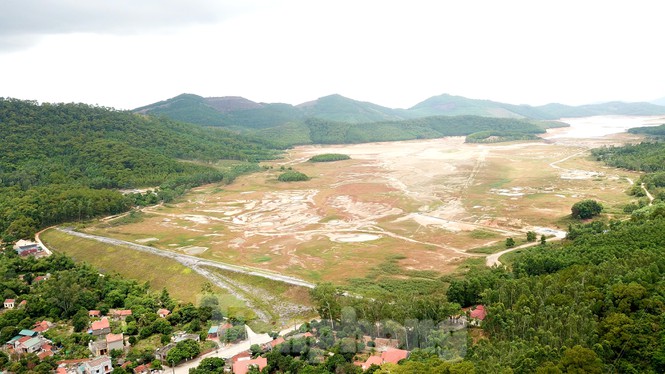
x=192 y=262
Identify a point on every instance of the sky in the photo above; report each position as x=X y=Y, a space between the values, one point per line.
x=129 y=53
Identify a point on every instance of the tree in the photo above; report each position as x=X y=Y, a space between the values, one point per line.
x=80 y=320
x=531 y=236
x=586 y=209
x=327 y=301
x=255 y=350
x=580 y=360
x=543 y=240
x=209 y=365
x=510 y=242
x=185 y=349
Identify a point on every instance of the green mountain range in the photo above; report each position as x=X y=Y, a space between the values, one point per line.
x=242 y=114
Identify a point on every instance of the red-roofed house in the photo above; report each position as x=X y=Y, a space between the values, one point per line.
x=240 y=356
x=478 y=314
x=242 y=366
x=276 y=342
x=94 y=313
x=42 y=326
x=391 y=355
x=394 y=355
x=163 y=312
x=142 y=369
x=101 y=327
x=41 y=278
x=43 y=354
x=10 y=303
x=372 y=360
x=122 y=313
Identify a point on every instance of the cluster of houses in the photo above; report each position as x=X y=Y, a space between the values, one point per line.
x=102 y=342
x=32 y=341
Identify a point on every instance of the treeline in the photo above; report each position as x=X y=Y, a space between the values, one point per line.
x=648 y=157
x=653 y=131
x=329 y=157
x=498 y=137
x=58 y=162
x=319 y=131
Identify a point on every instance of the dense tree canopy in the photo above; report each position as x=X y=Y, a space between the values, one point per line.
x=586 y=209
x=58 y=161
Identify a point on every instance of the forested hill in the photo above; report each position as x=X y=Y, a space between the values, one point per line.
x=241 y=114
x=458 y=105
x=476 y=129
x=56 y=160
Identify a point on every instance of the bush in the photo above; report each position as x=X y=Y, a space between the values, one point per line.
x=329 y=157
x=586 y=209
x=292 y=176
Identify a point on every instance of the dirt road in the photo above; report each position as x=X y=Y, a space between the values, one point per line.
x=493 y=259
x=192 y=262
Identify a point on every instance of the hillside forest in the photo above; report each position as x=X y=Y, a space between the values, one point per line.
x=67 y=162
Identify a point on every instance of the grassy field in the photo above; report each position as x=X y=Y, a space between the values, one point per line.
x=182 y=283
x=434 y=203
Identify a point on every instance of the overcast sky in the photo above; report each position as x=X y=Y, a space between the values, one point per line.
x=129 y=53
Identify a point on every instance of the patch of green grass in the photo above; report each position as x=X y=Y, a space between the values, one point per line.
x=134 y=216
x=510 y=257
x=263 y=259
x=483 y=234
x=500 y=183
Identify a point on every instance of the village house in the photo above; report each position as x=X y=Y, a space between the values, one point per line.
x=213 y=332
x=391 y=355
x=243 y=365
x=162 y=313
x=42 y=326
x=26 y=248
x=274 y=343
x=94 y=313
x=121 y=314
x=107 y=344
x=142 y=369
x=477 y=315
x=101 y=327
x=10 y=303
x=98 y=365
x=32 y=344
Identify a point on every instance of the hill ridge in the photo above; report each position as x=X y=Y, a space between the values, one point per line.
x=239 y=113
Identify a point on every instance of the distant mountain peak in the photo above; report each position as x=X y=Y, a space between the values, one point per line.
x=227 y=104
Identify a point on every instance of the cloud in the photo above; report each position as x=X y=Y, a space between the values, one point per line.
x=24 y=22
